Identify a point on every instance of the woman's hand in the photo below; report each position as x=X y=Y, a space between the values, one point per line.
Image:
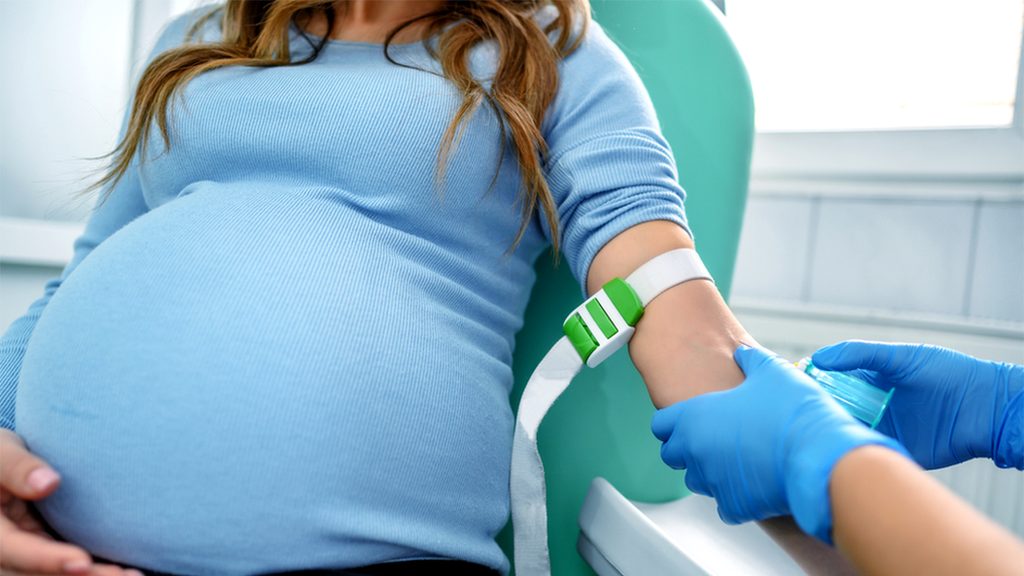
x=948 y=407
x=25 y=547
x=766 y=448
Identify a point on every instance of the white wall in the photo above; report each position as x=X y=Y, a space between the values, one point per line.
x=952 y=251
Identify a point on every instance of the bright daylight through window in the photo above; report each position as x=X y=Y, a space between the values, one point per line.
x=880 y=64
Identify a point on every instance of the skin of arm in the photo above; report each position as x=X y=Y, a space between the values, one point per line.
x=684 y=342
x=889 y=518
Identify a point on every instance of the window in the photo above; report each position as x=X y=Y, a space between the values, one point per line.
x=880 y=64
x=63 y=100
x=64 y=67
x=884 y=88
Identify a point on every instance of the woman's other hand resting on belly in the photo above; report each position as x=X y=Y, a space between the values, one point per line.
x=25 y=547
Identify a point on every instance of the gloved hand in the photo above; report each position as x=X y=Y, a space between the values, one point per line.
x=765 y=448
x=948 y=407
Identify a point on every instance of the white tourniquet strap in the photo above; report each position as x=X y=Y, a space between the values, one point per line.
x=552 y=376
x=526 y=485
x=665 y=271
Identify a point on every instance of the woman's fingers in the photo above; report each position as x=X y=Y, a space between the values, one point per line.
x=21 y=473
x=111 y=570
x=24 y=546
x=29 y=553
x=97 y=570
x=20 y=513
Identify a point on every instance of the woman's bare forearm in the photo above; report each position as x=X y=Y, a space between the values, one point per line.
x=685 y=340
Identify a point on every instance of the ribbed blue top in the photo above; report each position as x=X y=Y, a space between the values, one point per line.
x=279 y=346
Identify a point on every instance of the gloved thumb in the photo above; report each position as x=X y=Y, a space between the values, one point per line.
x=664 y=421
x=750 y=359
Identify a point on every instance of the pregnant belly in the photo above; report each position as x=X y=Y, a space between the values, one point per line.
x=217 y=385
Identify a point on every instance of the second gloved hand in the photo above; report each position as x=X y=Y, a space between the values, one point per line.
x=765 y=448
x=948 y=407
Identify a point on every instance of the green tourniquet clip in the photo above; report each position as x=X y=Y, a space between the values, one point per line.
x=625 y=300
x=580 y=336
x=603 y=321
x=584 y=336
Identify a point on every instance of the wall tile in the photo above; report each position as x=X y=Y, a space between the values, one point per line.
x=899 y=254
x=997 y=284
x=773 y=248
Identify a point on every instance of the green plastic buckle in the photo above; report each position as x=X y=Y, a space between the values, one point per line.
x=604 y=323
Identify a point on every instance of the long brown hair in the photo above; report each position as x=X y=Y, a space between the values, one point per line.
x=256 y=33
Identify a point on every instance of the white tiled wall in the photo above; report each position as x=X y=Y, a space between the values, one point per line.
x=998 y=276
x=908 y=255
x=780 y=227
x=959 y=258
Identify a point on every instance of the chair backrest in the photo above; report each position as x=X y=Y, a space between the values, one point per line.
x=601 y=425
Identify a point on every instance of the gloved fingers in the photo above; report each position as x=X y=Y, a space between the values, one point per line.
x=682 y=426
x=664 y=421
x=850 y=355
x=674 y=459
x=673 y=450
x=695 y=482
x=728 y=508
x=877 y=380
x=726 y=515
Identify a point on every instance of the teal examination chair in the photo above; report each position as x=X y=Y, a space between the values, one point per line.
x=600 y=428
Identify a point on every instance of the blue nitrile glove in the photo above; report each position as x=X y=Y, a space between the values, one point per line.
x=765 y=448
x=948 y=407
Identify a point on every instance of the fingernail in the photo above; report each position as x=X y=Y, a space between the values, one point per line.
x=42 y=479
x=76 y=567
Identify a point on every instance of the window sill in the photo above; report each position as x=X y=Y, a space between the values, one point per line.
x=995 y=154
x=37 y=242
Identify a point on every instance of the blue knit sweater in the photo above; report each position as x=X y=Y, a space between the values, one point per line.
x=280 y=347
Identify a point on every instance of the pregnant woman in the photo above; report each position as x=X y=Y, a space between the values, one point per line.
x=285 y=340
